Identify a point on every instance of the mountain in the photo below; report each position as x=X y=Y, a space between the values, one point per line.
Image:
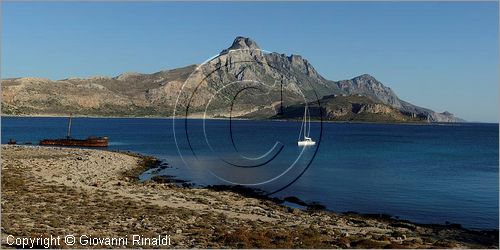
x=259 y=77
x=350 y=108
x=129 y=94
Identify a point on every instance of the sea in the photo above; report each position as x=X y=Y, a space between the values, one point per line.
x=433 y=173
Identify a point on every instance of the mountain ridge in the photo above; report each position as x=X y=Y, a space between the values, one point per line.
x=155 y=94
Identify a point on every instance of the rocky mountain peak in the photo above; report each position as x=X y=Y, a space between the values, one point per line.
x=127 y=75
x=241 y=42
x=366 y=77
x=296 y=59
x=369 y=80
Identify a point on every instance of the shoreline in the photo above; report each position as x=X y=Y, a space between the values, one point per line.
x=248 y=119
x=50 y=190
x=253 y=193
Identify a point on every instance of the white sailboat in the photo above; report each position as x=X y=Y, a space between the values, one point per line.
x=305 y=130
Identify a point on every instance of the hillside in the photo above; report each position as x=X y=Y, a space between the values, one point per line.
x=348 y=108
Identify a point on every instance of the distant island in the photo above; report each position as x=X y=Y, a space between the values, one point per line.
x=361 y=98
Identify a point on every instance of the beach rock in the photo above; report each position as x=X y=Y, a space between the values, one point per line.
x=344 y=242
x=295 y=211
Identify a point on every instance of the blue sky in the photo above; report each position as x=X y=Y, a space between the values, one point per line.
x=440 y=55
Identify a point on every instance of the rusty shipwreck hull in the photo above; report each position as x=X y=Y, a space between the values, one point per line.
x=89 y=142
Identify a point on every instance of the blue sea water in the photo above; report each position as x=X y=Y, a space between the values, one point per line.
x=424 y=173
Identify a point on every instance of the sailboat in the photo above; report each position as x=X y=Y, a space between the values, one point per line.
x=305 y=130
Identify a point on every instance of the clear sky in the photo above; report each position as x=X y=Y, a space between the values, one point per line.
x=440 y=55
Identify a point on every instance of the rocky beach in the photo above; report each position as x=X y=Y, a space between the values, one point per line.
x=59 y=191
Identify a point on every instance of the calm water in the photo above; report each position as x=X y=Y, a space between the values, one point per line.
x=428 y=174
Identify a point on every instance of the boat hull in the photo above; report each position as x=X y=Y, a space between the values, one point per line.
x=89 y=142
x=306 y=143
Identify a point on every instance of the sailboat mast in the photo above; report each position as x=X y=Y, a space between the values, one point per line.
x=309 y=122
x=281 y=99
x=305 y=123
x=302 y=128
x=69 y=127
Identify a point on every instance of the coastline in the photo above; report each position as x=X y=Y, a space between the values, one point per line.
x=247 y=119
x=50 y=190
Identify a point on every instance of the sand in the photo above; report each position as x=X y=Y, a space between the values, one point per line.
x=60 y=191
